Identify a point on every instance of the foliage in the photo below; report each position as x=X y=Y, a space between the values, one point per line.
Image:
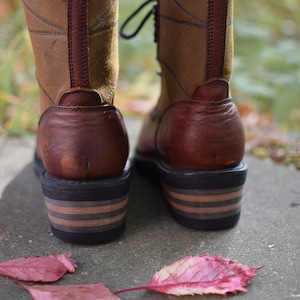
x=266 y=73
x=191 y=275
x=267 y=62
x=18 y=91
x=38 y=269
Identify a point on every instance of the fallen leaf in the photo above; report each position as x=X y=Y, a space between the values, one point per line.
x=200 y=275
x=66 y=260
x=70 y=292
x=38 y=269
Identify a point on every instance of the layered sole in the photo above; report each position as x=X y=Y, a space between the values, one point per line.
x=200 y=199
x=86 y=212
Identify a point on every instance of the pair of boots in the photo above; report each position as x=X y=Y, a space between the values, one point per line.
x=193 y=139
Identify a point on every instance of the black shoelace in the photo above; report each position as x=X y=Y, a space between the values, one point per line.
x=153 y=11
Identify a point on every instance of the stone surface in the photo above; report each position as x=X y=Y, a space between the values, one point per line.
x=268 y=232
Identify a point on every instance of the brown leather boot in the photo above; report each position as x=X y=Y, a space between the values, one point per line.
x=82 y=141
x=194 y=137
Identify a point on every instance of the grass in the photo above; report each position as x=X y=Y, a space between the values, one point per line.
x=266 y=73
x=18 y=90
x=267 y=64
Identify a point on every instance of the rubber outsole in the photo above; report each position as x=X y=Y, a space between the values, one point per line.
x=200 y=199
x=86 y=212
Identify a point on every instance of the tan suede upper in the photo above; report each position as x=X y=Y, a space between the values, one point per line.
x=183 y=46
x=48 y=28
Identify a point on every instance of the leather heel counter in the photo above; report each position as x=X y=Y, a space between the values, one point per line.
x=195 y=135
x=83 y=142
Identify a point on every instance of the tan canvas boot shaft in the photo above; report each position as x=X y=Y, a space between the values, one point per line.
x=195 y=45
x=77 y=54
x=195 y=49
x=81 y=135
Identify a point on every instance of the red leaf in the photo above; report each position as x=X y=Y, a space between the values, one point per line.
x=42 y=269
x=71 y=292
x=202 y=275
x=67 y=262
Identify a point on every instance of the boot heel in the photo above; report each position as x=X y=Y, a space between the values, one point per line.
x=86 y=211
x=205 y=199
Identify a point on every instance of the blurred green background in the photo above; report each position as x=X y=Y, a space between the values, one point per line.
x=266 y=73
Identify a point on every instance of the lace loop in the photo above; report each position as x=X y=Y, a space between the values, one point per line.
x=140 y=26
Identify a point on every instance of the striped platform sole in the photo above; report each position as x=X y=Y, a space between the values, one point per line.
x=204 y=199
x=86 y=211
x=201 y=199
x=205 y=209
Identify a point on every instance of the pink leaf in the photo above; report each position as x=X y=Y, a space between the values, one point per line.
x=43 y=269
x=71 y=292
x=202 y=275
x=66 y=260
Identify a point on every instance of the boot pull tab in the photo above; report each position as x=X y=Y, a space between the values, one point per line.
x=144 y=20
x=81 y=97
x=214 y=90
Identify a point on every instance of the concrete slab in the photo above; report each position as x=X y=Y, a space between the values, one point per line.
x=15 y=153
x=268 y=234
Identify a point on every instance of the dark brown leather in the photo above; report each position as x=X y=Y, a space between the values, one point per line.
x=215 y=90
x=216 y=38
x=195 y=124
x=83 y=142
x=81 y=97
x=78 y=43
x=203 y=134
x=199 y=135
